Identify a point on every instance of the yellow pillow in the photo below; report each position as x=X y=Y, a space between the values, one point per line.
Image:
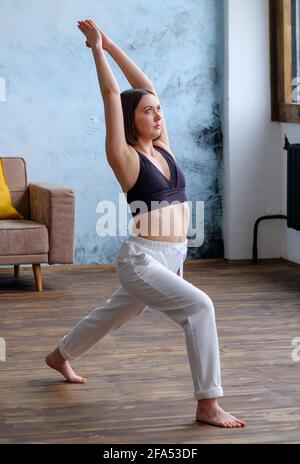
x=7 y=211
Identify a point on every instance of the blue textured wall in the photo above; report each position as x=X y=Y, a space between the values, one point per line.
x=53 y=114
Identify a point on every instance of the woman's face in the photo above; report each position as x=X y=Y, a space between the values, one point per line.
x=147 y=115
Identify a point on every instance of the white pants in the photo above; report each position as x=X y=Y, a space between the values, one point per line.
x=147 y=272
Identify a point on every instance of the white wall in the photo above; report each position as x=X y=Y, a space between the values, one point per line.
x=253 y=154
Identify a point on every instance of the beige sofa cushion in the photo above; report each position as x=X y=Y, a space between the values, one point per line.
x=18 y=237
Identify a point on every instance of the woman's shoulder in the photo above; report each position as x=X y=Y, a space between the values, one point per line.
x=165 y=147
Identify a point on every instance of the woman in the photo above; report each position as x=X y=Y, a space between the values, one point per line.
x=147 y=262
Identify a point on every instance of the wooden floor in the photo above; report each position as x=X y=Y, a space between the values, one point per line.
x=139 y=387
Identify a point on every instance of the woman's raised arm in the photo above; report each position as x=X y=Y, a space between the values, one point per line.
x=106 y=78
x=135 y=76
x=116 y=146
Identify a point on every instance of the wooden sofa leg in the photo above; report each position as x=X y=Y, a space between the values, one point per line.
x=17 y=270
x=38 y=277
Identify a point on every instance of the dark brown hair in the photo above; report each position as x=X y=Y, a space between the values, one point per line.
x=130 y=99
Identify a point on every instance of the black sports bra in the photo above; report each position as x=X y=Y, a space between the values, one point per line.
x=152 y=186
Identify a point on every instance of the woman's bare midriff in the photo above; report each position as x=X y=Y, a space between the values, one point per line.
x=167 y=224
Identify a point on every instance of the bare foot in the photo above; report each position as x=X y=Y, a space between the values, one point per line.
x=209 y=412
x=56 y=361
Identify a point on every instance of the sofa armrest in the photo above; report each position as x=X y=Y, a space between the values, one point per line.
x=54 y=207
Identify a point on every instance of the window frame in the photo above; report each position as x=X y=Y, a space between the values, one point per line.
x=283 y=109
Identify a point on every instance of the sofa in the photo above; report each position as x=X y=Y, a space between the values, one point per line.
x=46 y=234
